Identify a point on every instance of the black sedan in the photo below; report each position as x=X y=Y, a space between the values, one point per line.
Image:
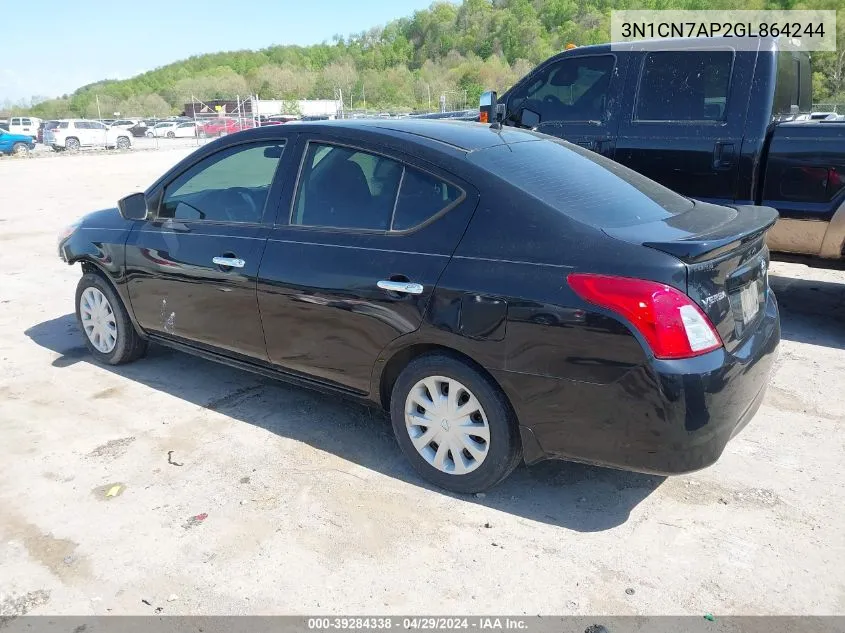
x=506 y=296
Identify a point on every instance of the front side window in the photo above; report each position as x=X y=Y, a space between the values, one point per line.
x=684 y=86
x=95 y=125
x=573 y=89
x=346 y=188
x=229 y=186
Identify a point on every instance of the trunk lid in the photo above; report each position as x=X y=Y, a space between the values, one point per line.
x=726 y=259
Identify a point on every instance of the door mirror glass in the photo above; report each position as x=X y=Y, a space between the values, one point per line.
x=133 y=207
x=529 y=118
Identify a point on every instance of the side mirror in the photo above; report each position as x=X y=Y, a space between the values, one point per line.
x=529 y=118
x=133 y=207
x=487 y=106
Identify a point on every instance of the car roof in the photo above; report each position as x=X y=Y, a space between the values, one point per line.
x=460 y=135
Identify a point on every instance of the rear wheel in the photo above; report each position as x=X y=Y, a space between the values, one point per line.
x=123 y=142
x=454 y=424
x=72 y=144
x=20 y=149
x=108 y=331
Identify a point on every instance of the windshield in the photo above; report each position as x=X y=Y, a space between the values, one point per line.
x=580 y=183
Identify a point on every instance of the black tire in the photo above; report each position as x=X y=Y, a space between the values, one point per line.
x=72 y=143
x=171 y=135
x=504 y=450
x=129 y=346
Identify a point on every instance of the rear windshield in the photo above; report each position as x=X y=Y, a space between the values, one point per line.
x=582 y=184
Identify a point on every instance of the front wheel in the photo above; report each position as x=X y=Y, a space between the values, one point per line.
x=454 y=424
x=72 y=144
x=106 y=326
x=171 y=135
x=123 y=142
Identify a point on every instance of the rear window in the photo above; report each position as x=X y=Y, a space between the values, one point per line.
x=582 y=184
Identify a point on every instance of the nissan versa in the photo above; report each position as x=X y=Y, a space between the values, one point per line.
x=505 y=295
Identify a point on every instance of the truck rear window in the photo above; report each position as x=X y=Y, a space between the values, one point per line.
x=582 y=184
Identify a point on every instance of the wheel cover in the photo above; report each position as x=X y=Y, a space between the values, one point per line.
x=98 y=320
x=21 y=149
x=447 y=425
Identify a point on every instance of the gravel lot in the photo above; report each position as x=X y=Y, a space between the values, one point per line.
x=310 y=506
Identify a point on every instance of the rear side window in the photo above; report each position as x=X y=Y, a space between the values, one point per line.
x=346 y=188
x=684 y=86
x=15 y=121
x=581 y=184
x=421 y=197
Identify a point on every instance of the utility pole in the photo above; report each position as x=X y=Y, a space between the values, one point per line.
x=99 y=116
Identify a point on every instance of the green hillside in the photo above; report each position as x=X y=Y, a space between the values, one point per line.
x=452 y=49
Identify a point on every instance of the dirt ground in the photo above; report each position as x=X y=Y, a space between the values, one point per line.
x=311 y=508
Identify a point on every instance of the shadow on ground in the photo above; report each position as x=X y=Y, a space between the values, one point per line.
x=573 y=496
x=811 y=311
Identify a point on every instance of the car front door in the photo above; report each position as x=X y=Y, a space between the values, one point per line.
x=352 y=263
x=192 y=268
x=98 y=132
x=684 y=118
x=576 y=98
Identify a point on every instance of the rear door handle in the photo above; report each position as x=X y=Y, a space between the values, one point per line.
x=229 y=262
x=723 y=155
x=408 y=287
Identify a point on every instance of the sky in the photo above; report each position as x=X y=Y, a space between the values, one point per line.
x=63 y=45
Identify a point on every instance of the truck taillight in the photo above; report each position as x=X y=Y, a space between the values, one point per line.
x=670 y=322
x=484 y=116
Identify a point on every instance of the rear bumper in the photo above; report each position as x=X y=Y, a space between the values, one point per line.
x=668 y=417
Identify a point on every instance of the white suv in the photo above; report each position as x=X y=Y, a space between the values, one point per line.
x=73 y=134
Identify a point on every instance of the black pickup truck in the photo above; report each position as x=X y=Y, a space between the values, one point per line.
x=711 y=122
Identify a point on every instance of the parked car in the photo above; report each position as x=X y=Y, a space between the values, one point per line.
x=73 y=134
x=24 y=125
x=161 y=129
x=139 y=129
x=19 y=144
x=703 y=122
x=503 y=294
x=126 y=124
x=47 y=125
x=220 y=126
x=278 y=119
x=186 y=129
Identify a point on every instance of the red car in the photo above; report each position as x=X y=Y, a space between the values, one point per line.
x=219 y=127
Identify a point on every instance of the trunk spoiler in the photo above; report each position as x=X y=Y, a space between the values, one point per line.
x=747 y=224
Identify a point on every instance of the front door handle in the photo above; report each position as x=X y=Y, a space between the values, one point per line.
x=229 y=262
x=408 y=287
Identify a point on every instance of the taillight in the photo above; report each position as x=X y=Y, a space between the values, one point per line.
x=671 y=323
x=483 y=117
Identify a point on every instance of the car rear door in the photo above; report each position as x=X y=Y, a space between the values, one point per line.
x=352 y=262
x=192 y=268
x=683 y=120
